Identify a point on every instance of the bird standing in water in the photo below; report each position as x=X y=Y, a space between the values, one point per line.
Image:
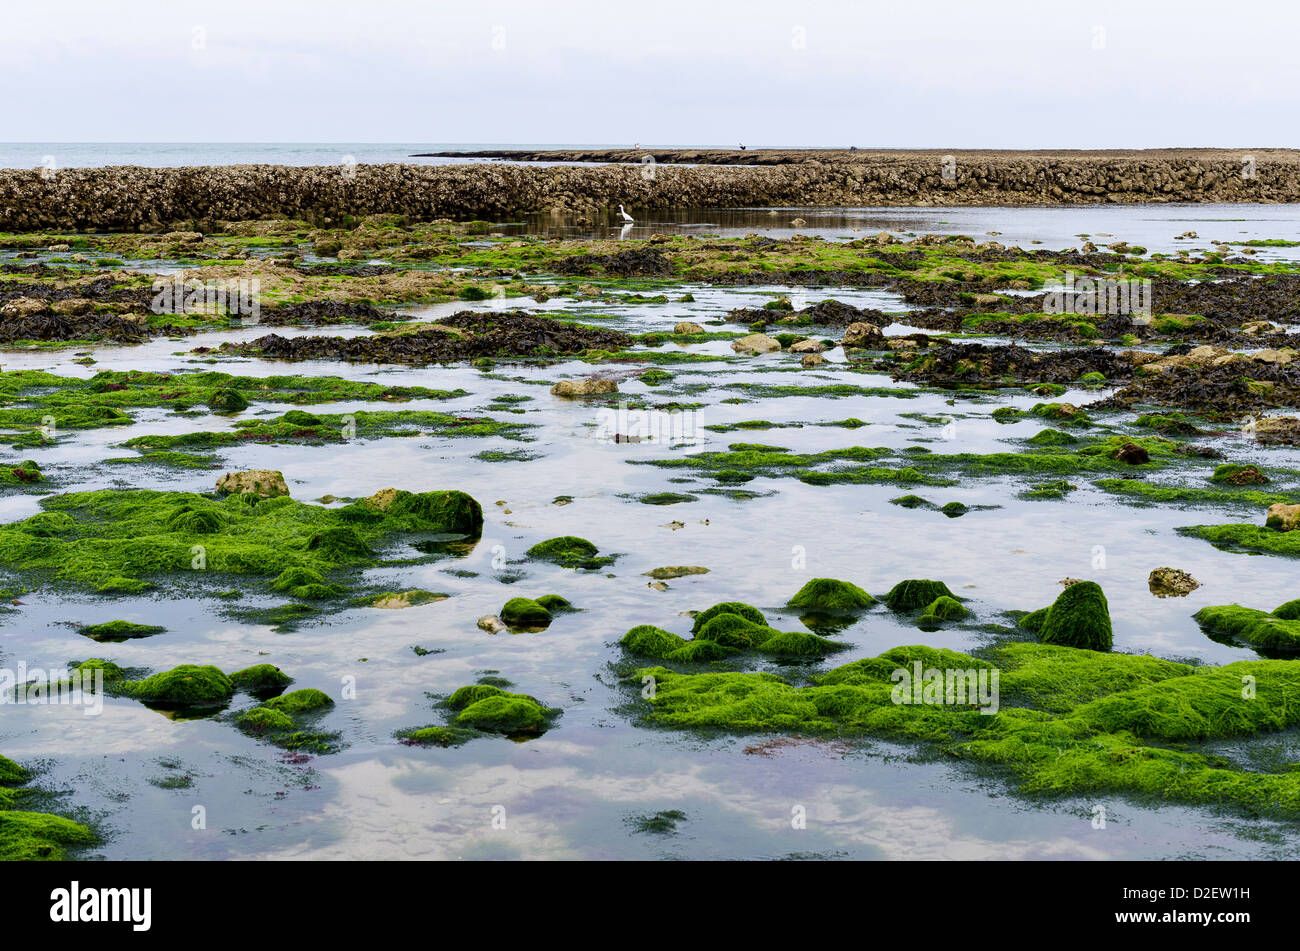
x=626 y=217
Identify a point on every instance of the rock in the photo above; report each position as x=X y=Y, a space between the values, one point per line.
x=1079 y=617
x=687 y=327
x=382 y=499
x=807 y=346
x=267 y=483
x=1274 y=430
x=587 y=386
x=798 y=223
x=812 y=360
x=831 y=596
x=1258 y=327
x=1280 y=357
x=1066 y=582
x=22 y=307
x=863 y=334
x=492 y=624
x=1171 y=583
x=676 y=571
x=73 y=306
x=756 y=343
x=1283 y=517
x=1133 y=454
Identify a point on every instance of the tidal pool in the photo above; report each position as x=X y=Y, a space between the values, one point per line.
x=585 y=788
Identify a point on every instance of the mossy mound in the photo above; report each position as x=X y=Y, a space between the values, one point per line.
x=1079 y=617
x=513 y=714
x=261 y=680
x=525 y=613
x=306 y=584
x=112 y=631
x=11 y=774
x=183 y=686
x=462 y=697
x=738 y=608
x=916 y=593
x=569 y=551
x=829 y=596
x=650 y=641
x=261 y=720
x=554 y=603
x=299 y=702
x=227 y=400
x=941 y=609
x=1270 y=631
x=435 y=736
x=799 y=644
x=115 y=540
x=39 y=836
x=732 y=630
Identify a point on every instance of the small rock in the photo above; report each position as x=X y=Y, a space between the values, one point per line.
x=807 y=346
x=1283 y=517
x=862 y=334
x=1133 y=454
x=812 y=360
x=492 y=624
x=676 y=571
x=587 y=386
x=267 y=483
x=1171 y=583
x=756 y=343
x=687 y=327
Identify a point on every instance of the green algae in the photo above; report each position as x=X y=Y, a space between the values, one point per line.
x=39 y=836
x=299 y=702
x=1079 y=617
x=569 y=551
x=1243 y=537
x=525 y=613
x=184 y=686
x=941 y=610
x=128 y=540
x=915 y=594
x=830 y=596
x=261 y=680
x=111 y=631
x=737 y=608
x=1271 y=631
x=1143 y=491
x=1091 y=722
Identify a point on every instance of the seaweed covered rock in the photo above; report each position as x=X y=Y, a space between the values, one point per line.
x=733 y=630
x=916 y=593
x=650 y=641
x=569 y=551
x=39 y=836
x=738 y=608
x=941 y=609
x=829 y=596
x=525 y=613
x=1273 y=631
x=298 y=702
x=186 y=685
x=1166 y=582
x=261 y=680
x=1079 y=617
x=493 y=710
x=227 y=400
x=114 y=631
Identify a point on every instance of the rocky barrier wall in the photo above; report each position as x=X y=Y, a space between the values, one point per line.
x=132 y=198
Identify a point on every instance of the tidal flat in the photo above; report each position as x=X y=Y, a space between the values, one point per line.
x=546 y=538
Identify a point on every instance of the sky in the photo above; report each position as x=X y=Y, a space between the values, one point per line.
x=898 y=74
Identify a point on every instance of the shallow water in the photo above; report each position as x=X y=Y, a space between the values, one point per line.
x=576 y=791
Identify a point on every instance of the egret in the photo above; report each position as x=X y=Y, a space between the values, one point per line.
x=626 y=217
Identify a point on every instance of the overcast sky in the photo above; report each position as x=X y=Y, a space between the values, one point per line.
x=925 y=73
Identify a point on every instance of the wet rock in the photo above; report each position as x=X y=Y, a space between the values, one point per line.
x=492 y=624
x=676 y=571
x=267 y=483
x=687 y=327
x=812 y=360
x=1278 y=430
x=587 y=386
x=1171 y=583
x=807 y=346
x=863 y=335
x=1283 y=517
x=1133 y=454
x=756 y=343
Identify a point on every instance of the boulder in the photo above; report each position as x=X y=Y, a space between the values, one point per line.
x=1283 y=517
x=863 y=334
x=267 y=483
x=756 y=343
x=687 y=327
x=807 y=346
x=587 y=386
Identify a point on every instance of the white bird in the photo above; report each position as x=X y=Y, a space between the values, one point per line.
x=626 y=217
